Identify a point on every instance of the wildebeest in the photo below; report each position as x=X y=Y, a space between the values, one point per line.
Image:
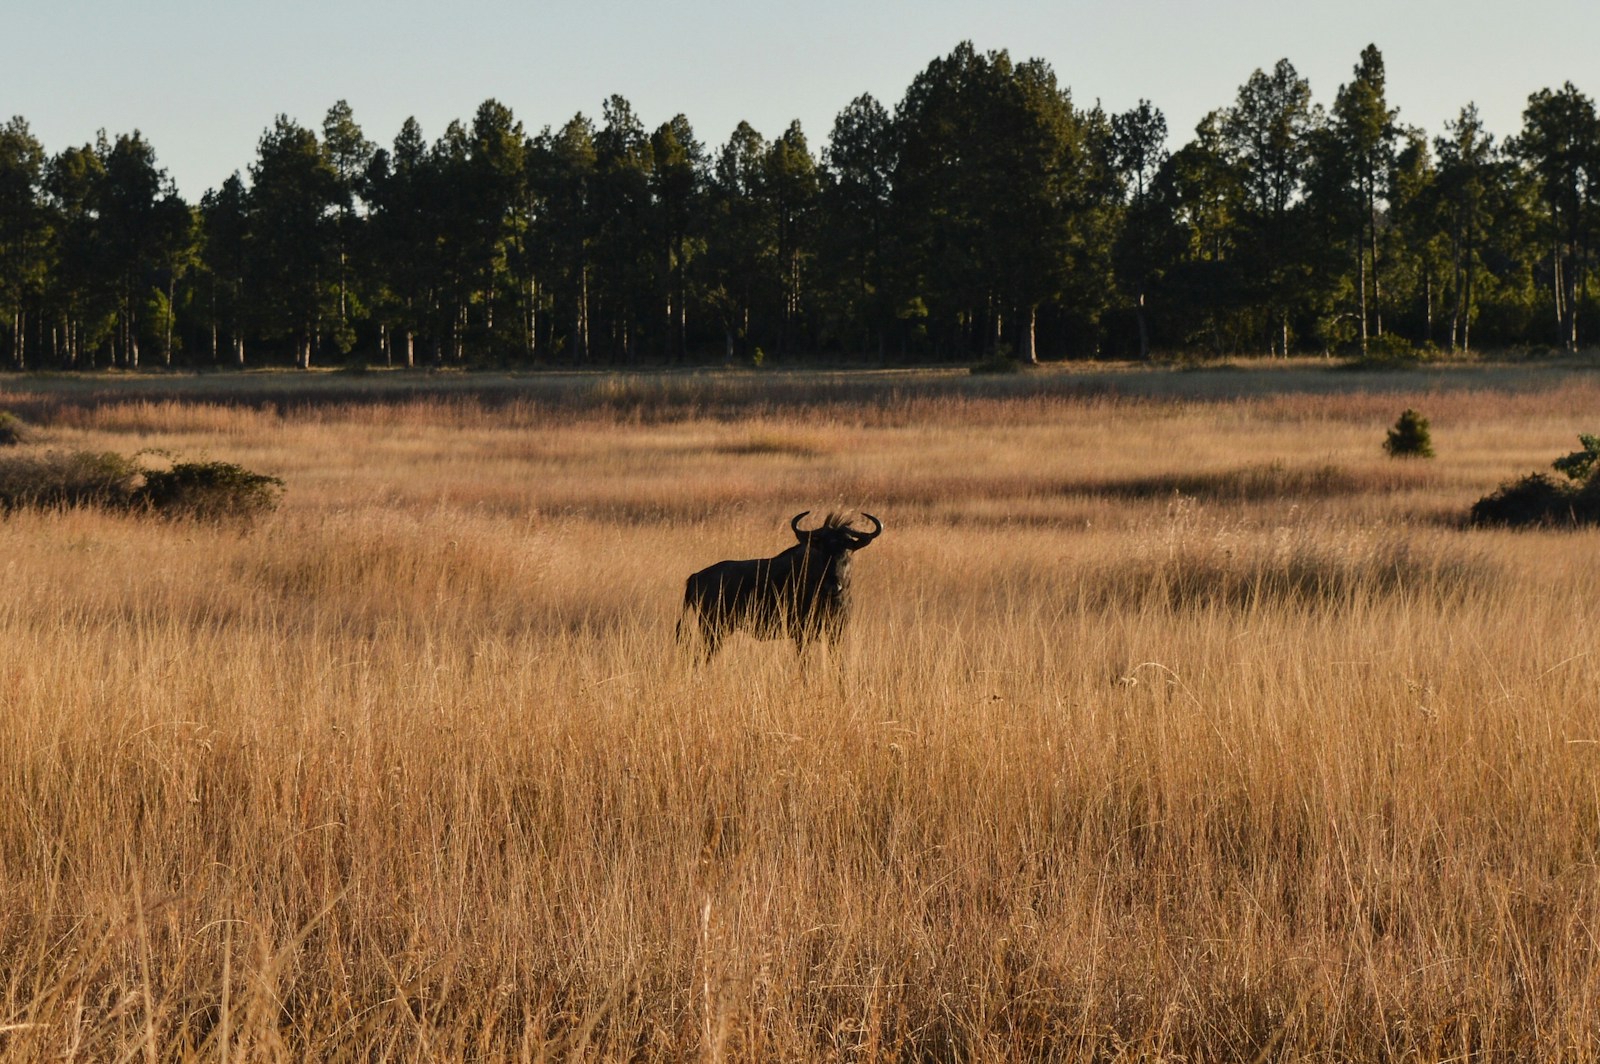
x=802 y=594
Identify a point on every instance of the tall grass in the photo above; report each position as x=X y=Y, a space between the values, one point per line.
x=414 y=770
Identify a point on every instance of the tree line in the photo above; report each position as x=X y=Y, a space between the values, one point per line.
x=987 y=214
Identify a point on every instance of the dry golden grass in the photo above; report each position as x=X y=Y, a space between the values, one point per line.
x=1176 y=721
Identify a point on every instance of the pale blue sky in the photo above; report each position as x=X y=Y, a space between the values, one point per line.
x=203 y=78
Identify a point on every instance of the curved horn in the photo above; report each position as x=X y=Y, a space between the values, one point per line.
x=794 y=523
x=863 y=538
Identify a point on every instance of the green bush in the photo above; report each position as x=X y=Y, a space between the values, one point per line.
x=73 y=478
x=1409 y=438
x=1392 y=346
x=1535 y=500
x=998 y=364
x=1391 y=352
x=13 y=430
x=1539 y=499
x=209 y=491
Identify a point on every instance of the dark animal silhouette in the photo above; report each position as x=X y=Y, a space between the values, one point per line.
x=802 y=594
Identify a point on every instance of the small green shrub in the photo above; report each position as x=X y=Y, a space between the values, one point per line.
x=1393 y=347
x=1540 y=500
x=998 y=364
x=13 y=430
x=1410 y=437
x=1391 y=352
x=209 y=491
x=73 y=478
x=212 y=491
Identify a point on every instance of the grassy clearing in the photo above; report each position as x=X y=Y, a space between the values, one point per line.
x=1166 y=727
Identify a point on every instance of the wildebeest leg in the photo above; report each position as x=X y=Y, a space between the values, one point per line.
x=698 y=631
x=802 y=657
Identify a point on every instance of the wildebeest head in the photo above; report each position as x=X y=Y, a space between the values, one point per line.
x=834 y=536
x=802 y=593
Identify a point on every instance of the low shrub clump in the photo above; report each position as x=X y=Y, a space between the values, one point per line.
x=212 y=491
x=13 y=430
x=1392 y=352
x=209 y=491
x=72 y=478
x=1000 y=363
x=1534 y=500
x=1539 y=499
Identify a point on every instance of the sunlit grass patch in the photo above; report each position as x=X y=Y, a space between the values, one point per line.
x=1294 y=568
x=1251 y=483
x=775 y=441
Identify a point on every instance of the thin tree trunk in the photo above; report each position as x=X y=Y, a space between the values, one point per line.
x=583 y=316
x=1427 y=297
x=1377 y=289
x=532 y=334
x=1460 y=300
x=166 y=342
x=1555 y=270
x=1361 y=278
x=1571 y=277
x=1581 y=290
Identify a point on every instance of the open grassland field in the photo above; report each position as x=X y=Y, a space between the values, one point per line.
x=1175 y=721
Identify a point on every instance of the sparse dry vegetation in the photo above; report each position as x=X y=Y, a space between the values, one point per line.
x=1176 y=721
x=195 y=490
